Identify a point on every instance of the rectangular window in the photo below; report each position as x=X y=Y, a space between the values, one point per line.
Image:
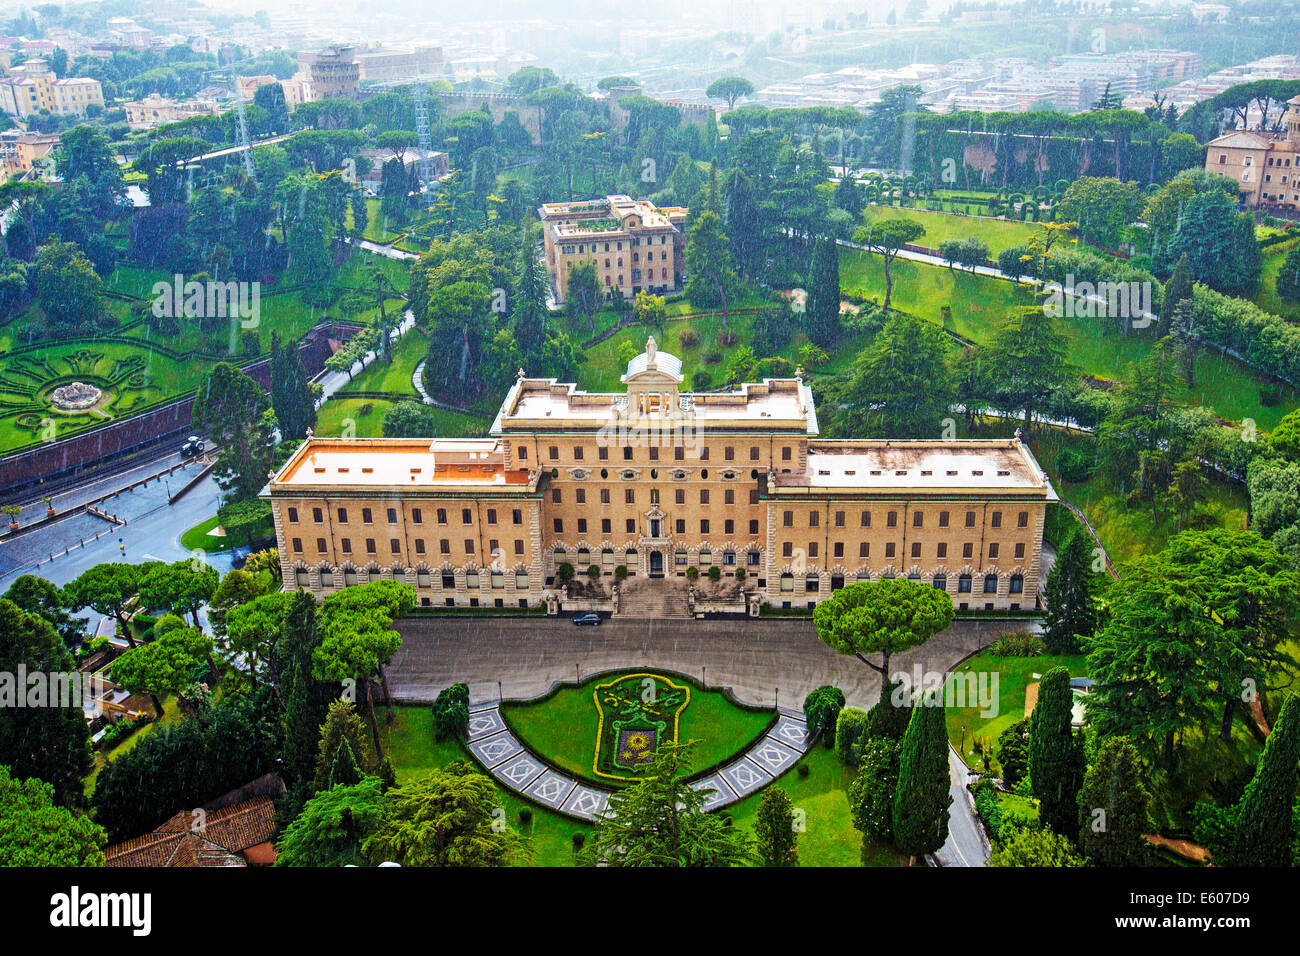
x=466 y=516
x=1022 y=520
x=555 y=496
x=943 y=519
x=654 y=452
x=343 y=516
x=517 y=516
x=580 y=496
x=864 y=550
x=679 y=496
x=392 y=516
x=968 y=550
x=297 y=545
x=577 y=453
x=631 y=526
x=891 y=519
x=728 y=527
x=681 y=525
x=582 y=526
x=753 y=453
x=293 y=515
x=839 y=549
x=629 y=496
x=970 y=519
x=865 y=520
x=444 y=546
x=729 y=497
x=606 y=526
x=492 y=516
x=419 y=546
x=704 y=526
x=554 y=452
x=889 y=549
x=995 y=520
x=367 y=516
x=785 y=453
x=320 y=546
x=787 y=519
x=317 y=515
x=1020 y=551
x=395 y=545
x=787 y=550
x=993 y=550
x=417 y=516
x=941 y=550
x=559 y=526
x=346 y=545
x=916 y=549
x=604 y=496
x=704 y=496
x=442 y=516
x=916 y=519
x=602 y=453
x=469 y=546
x=729 y=453
x=812 y=549
x=370 y=545
x=814 y=518
x=753 y=527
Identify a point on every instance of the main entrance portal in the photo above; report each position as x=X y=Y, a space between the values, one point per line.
x=656 y=564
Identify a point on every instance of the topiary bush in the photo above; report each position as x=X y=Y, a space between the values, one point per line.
x=593 y=571
x=715 y=573
x=821 y=710
x=451 y=713
x=692 y=573
x=564 y=572
x=620 y=572
x=850 y=732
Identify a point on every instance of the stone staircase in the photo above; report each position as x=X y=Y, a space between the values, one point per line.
x=653 y=598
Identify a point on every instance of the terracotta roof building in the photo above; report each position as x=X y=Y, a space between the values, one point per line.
x=238 y=835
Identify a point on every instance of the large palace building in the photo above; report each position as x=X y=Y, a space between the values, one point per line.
x=660 y=481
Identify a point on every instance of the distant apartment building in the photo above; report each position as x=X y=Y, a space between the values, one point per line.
x=19 y=150
x=1265 y=166
x=635 y=245
x=386 y=64
x=32 y=87
x=155 y=110
x=293 y=88
x=334 y=72
x=129 y=33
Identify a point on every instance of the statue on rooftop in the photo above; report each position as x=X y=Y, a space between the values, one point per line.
x=650 y=349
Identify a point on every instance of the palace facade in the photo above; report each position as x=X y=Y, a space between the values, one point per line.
x=658 y=480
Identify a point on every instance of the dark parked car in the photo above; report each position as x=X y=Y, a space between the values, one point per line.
x=592 y=619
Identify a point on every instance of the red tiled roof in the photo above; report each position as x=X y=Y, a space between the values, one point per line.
x=187 y=839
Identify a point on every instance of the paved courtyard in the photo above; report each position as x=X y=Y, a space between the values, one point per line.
x=763 y=661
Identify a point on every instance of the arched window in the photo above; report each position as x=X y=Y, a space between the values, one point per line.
x=964 y=584
x=941 y=582
x=1017 y=584
x=349 y=577
x=787 y=582
x=990 y=584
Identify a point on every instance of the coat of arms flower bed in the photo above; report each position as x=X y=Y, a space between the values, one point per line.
x=637 y=714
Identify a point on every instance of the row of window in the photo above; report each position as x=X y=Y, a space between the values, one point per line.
x=891 y=519
x=965 y=582
x=395 y=546
x=629 y=496
x=417 y=516
x=608 y=557
x=350 y=577
x=679 y=453
x=891 y=550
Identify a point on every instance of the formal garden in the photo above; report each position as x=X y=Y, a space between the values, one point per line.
x=604 y=729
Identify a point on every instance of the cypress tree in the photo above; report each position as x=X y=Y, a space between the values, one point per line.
x=343 y=729
x=345 y=770
x=1265 y=830
x=922 y=799
x=531 y=319
x=824 y=293
x=1055 y=757
x=774 y=829
x=305 y=699
x=291 y=393
x=1070 y=610
x=891 y=714
x=1178 y=288
x=1116 y=786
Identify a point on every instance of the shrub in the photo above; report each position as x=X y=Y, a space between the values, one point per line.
x=988 y=808
x=702 y=380
x=804 y=770
x=579 y=840
x=564 y=572
x=1270 y=394
x=715 y=573
x=740 y=574
x=1013 y=753
x=688 y=338
x=593 y=571
x=850 y=732
x=692 y=573
x=821 y=710
x=1018 y=644
x=1074 y=465
x=525 y=816
x=713 y=357
x=620 y=572
x=451 y=713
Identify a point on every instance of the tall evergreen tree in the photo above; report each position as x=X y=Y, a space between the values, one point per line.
x=530 y=316
x=1071 y=612
x=922 y=799
x=774 y=829
x=1265 y=832
x=305 y=700
x=1178 y=288
x=902 y=385
x=1055 y=757
x=343 y=729
x=291 y=393
x=1113 y=807
x=711 y=275
x=824 y=292
x=345 y=771
x=1030 y=354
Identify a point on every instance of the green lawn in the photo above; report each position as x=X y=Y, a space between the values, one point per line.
x=823 y=796
x=364 y=418
x=562 y=728
x=199 y=539
x=978 y=303
x=1127 y=533
x=998 y=233
x=1267 y=297
x=171 y=713
x=393 y=378
x=1012 y=674
x=829 y=839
